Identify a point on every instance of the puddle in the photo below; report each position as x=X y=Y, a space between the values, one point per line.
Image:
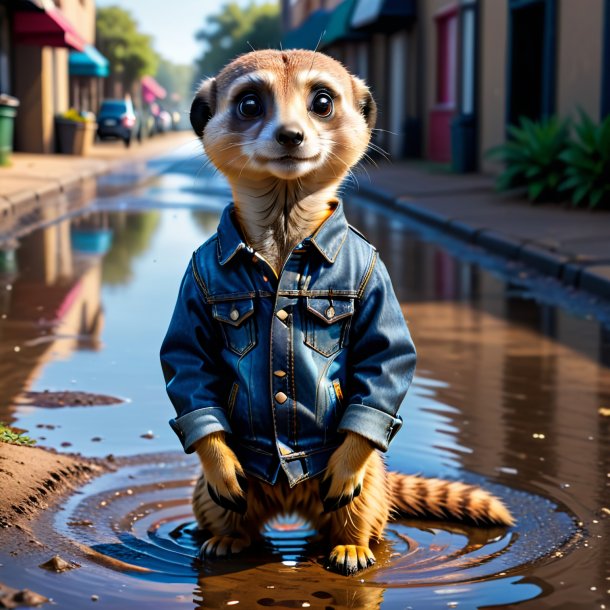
x=510 y=393
x=138 y=522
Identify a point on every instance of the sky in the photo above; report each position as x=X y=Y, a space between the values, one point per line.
x=173 y=31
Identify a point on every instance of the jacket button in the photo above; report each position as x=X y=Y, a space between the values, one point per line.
x=330 y=312
x=282 y=315
x=234 y=314
x=279 y=373
x=281 y=397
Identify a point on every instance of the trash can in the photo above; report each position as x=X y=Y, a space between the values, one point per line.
x=74 y=137
x=8 y=111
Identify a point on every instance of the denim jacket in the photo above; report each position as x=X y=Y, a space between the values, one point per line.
x=286 y=365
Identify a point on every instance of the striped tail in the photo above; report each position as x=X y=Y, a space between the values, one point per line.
x=421 y=497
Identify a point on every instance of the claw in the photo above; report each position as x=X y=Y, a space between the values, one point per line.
x=350 y=558
x=332 y=504
x=243 y=483
x=237 y=505
x=221 y=546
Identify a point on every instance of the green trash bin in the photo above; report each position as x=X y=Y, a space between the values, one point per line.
x=8 y=111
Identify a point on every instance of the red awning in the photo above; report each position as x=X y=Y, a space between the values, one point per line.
x=152 y=90
x=46 y=29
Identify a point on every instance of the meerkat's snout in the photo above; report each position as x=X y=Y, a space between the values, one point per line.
x=286 y=115
x=289 y=136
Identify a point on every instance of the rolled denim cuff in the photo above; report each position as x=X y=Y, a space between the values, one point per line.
x=195 y=425
x=375 y=425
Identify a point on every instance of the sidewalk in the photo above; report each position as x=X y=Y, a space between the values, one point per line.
x=572 y=245
x=32 y=179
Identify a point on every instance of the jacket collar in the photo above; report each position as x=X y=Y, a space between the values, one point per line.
x=328 y=238
x=230 y=240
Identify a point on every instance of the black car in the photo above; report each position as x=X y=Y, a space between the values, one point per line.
x=117 y=119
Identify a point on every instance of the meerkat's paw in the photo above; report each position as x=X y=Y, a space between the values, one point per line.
x=348 y=559
x=225 y=477
x=222 y=546
x=344 y=476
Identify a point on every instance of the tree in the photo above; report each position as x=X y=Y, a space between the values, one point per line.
x=236 y=30
x=177 y=79
x=130 y=53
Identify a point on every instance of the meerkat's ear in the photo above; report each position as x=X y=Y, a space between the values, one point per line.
x=364 y=101
x=203 y=106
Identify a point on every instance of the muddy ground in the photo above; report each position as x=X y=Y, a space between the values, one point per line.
x=33 y=479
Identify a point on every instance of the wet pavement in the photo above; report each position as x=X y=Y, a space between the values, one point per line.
x=512 y=391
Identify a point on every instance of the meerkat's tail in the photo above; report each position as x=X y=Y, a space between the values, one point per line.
x=422 y=497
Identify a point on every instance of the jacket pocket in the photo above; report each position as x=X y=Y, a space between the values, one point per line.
x=327 y=323
x=237 y=324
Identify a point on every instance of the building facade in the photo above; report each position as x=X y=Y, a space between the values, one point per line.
x=36 y=39
x=450 y=76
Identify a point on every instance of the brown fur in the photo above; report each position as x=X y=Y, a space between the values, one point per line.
x=280 y=199
x=351 y=529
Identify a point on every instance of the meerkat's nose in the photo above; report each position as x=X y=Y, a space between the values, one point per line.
x=289 y=136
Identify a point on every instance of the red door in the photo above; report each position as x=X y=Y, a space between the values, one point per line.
x=439 y=133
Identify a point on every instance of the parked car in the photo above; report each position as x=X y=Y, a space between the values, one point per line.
x=117 y=119
x=163 y=119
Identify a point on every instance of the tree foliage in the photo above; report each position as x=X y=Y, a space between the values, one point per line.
x=130 y=53
x=236 y=30
x=176 y=78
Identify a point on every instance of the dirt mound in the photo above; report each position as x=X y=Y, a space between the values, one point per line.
x=32 y=478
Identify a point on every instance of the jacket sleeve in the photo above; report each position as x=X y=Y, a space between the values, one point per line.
x=381 y=363
x=194 y=377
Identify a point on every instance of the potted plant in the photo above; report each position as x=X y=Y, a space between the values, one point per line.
x=75 y=132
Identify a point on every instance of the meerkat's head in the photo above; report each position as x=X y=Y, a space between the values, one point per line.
x=284 y=114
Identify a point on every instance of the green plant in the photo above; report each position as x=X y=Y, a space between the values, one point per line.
x=587 y=160
x=8 y=435
x=533 y=157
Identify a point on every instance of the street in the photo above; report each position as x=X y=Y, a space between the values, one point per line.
x=510 y=393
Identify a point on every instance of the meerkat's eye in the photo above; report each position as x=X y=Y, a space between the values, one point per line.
x=322 y=104
x=250 y=106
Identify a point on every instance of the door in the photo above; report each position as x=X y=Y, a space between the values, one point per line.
x=531 y=87
x=439 y=139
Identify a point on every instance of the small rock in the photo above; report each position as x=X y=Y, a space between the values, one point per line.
x=25 y=597
x=57 y=564
x=82 y=523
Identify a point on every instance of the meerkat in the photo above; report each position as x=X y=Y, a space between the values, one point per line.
x=302 y=436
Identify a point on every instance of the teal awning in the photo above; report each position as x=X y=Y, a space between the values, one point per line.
x=88 y=63
x=308 y=34
x=383 y=16
x=339 y=24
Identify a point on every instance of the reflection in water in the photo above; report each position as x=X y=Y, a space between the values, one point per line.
x=142 y=526
x=508 y=387
x=132 y=236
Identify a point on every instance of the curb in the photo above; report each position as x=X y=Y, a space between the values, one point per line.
x=21 y=207
x=571 y=271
